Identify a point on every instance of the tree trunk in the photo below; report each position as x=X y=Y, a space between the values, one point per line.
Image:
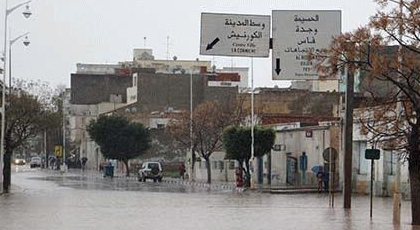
x=126 y=168
x=193 y=160
x=7 y=169
x=208 y=166
x=247 y=174
x=192 y=176
x=414 y=171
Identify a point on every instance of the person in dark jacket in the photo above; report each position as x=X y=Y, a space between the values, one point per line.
x=325 y=180
x=181 y=170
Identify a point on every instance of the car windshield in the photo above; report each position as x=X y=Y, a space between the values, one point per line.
x=36 y=159
x=153 y=165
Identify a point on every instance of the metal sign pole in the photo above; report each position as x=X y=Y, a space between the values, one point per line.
x=252 y=121
x=329 y=172
x=371 y=187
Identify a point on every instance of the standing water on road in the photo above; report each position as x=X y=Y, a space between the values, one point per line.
x=55 y=202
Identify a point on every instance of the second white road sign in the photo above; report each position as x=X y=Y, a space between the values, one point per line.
x=298 y=33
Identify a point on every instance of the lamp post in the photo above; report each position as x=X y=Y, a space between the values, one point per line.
x=64 y=133
x=27 y=13
x=26 y=42
x=191 y=127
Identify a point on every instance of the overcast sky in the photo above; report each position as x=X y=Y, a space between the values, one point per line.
x=66 y=32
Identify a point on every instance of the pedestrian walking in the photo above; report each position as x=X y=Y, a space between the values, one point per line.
x=325 y=180
x=181 y=170
x=239 y=178
x=84 y=160
x=319 y=179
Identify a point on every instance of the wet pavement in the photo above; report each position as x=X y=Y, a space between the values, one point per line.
x=48 y=200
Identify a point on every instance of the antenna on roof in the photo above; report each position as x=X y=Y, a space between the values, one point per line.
x=167 y=48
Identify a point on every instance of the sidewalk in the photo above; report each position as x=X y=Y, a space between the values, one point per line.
x=121 y=176
x=218 y=185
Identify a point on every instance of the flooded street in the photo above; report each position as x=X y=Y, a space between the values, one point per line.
x=45 y=200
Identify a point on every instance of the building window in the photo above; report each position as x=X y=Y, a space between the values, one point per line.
x=135 y=79
x=231 y=164
x=160 y=126
x=215 y=164
x=221 y=165
x=359 y=148
x=392 y=162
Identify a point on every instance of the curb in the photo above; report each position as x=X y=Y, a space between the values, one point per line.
x=168 y=180
x=201 y=184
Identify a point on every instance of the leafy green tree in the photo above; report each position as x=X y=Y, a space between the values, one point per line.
x=119 y=138
x=237 y=143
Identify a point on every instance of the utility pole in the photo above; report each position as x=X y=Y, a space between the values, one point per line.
x=191 y=128
x=348 y=142
x=45 y=148
x=251 y=172
x=64 y=134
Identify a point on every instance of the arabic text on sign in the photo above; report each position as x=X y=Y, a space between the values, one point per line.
x=307 y=19
x=246 y=22
x=301 y=29
x=244 y=35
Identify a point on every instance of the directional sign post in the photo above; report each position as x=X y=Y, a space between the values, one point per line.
x=296 y=34
x=372 y=155
x=235 y=35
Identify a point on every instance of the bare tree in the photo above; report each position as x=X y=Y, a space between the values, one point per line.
x=387 y=51
x=210 y=118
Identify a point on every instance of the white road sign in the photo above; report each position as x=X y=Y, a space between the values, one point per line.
x=296 y=34
x=235 y=35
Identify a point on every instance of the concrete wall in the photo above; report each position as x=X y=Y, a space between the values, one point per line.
x=242 y=71
x=384 y=168
x=294 y=142
x=94 y=89
x=221 y=169
x=293 y=102
x=172 y=66
x=159 y=92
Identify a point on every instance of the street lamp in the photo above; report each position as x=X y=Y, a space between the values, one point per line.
x=26 y=13
x=26 y=42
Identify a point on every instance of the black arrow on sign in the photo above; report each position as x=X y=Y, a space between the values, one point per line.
x=278 y=70
x=213 y=43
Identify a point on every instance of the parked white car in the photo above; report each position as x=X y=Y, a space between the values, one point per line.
x=150 y=170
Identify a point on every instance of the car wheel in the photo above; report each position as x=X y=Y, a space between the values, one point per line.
x=154 y=180
x=160 y=179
